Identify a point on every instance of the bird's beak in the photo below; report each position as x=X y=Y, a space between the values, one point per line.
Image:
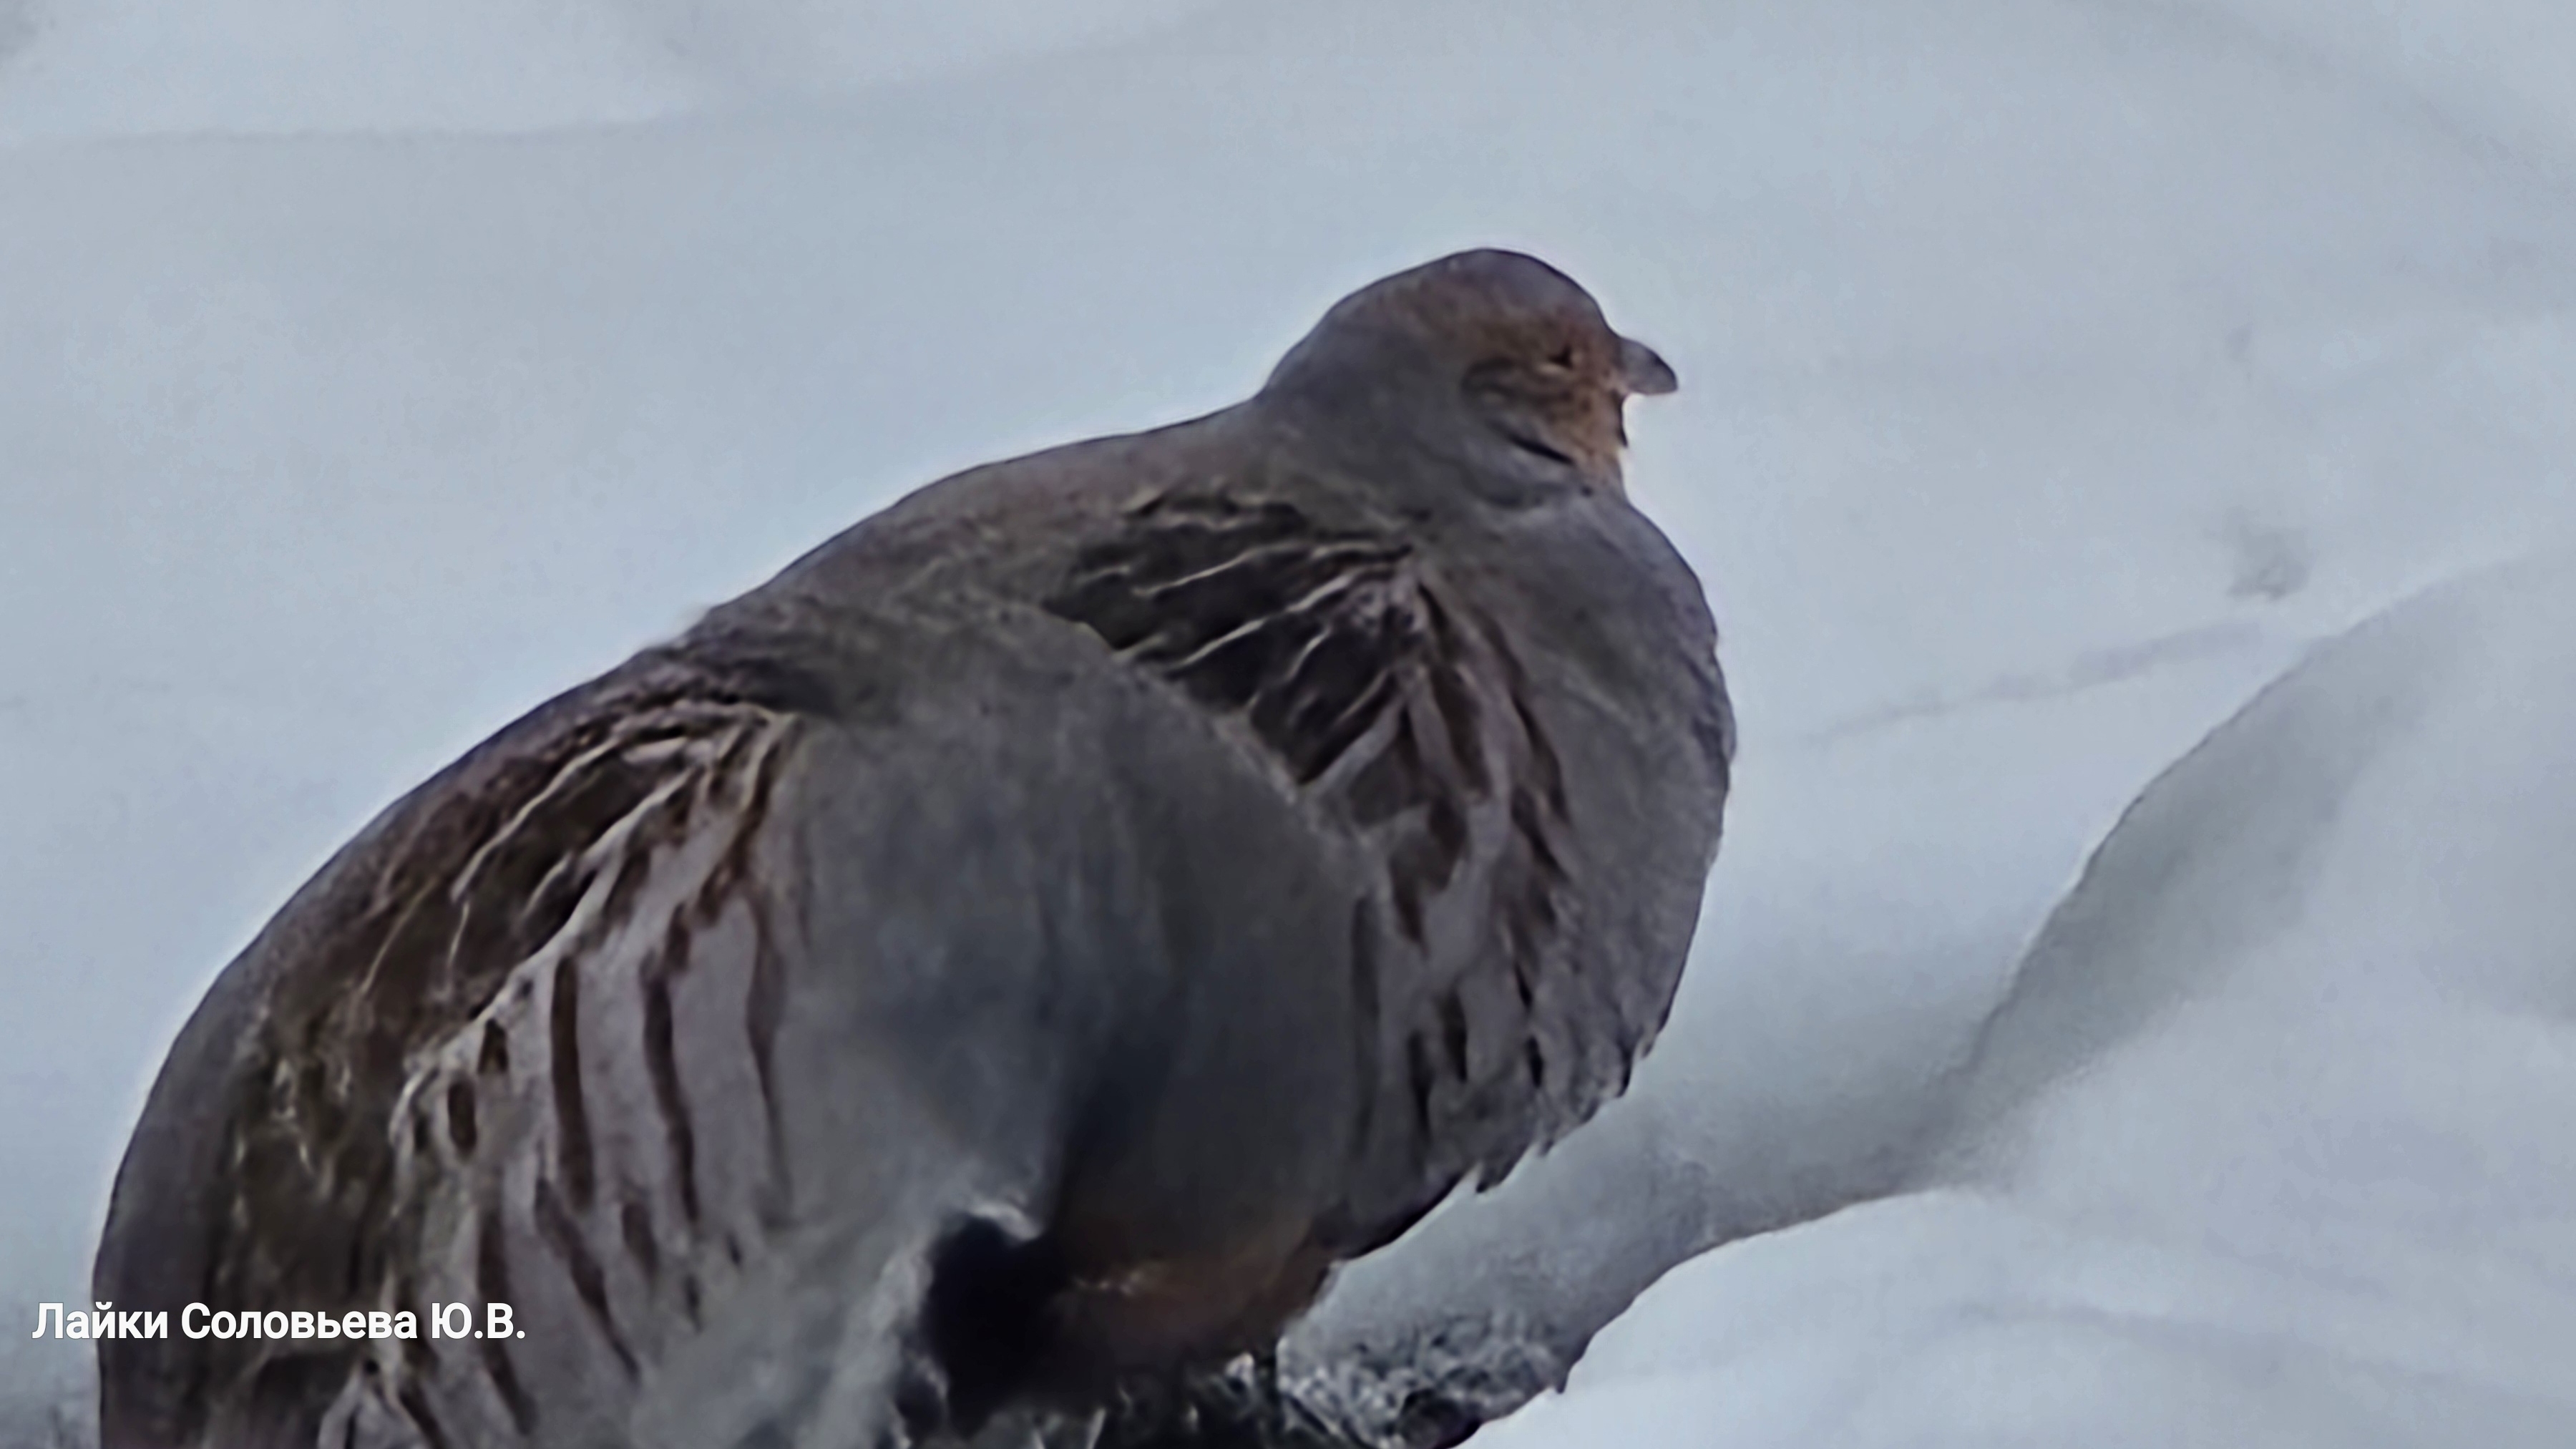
x=1642 y=373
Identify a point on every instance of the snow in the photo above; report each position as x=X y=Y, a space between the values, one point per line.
x=2054 y=371
x=79 y=68
x=2268 y=1143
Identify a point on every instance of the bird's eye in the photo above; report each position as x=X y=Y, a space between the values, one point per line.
x=1563 y=358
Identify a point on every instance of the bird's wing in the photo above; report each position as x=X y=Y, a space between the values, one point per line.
x=1402 y=718
x=429 y=1001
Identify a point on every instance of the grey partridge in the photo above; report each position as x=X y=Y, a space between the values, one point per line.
x=1021 y=947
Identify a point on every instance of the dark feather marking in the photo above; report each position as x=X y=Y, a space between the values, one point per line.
x=494 y=1057
x=1533 y=832
x=1279 y=713
x=556 y=896
x=636 y=1227
x=764 y=1006
x=1546 y=769
x=732 y=868
x=1365 y=1006
x=1109 y=609
x=359 y=1269
x=1537 y=1061
x=1323 y=740
x=1419 y=1077
x=1551 y=774
x=1457 y=708
x=1455 y=702
x=735 y=863
x=662 y=1065
x=1229 y=673
x=1448 y=836
x=1418 y=868
x=1453 y=1033
x=415 y=1351
x=525 y=884
x=492 y=1280
x=633 y=875
x=572 y=1111
x=1202 y=608
x=460 y=1116
x=1255 y=609
x=555 y=1224
x=415 y=1407
x=1407 y=895
x=1519 y=941
x=1340 y=671
x=1390 y=784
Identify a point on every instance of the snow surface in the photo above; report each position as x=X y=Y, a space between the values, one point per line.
x=2053 y=370
x=73 y=68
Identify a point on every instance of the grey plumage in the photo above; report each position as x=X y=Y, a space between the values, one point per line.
x=1020 y=948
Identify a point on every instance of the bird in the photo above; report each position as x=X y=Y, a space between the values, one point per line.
x=1020 y=949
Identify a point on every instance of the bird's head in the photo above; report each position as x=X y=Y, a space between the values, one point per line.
x=1492 y=354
